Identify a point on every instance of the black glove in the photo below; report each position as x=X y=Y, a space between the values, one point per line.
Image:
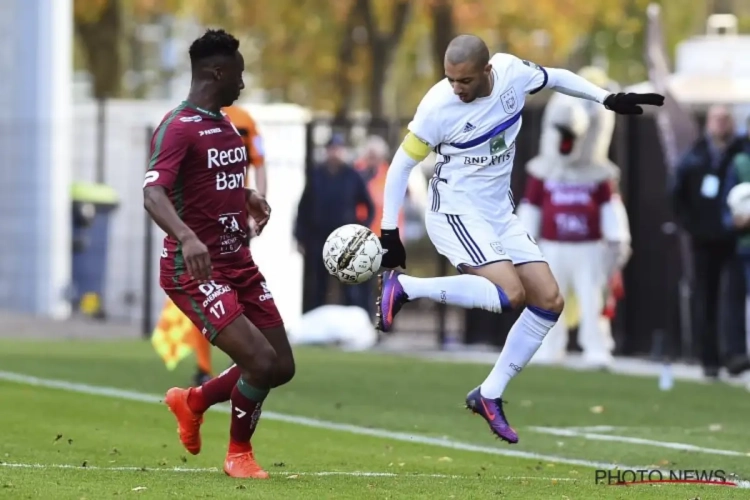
x=395 y=254
x=630 y=103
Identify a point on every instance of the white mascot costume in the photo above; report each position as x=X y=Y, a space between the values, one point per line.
x=571 y=206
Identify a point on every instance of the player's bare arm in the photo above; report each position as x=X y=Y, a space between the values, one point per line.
x=162 y=212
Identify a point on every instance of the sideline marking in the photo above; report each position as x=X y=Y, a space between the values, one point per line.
x=112 y=392
x=275 y=473
x=559 y=431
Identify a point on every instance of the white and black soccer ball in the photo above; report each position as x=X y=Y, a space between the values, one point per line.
x=739 y=199
x=352 y=253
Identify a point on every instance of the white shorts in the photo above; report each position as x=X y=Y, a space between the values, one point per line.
x=473 y=241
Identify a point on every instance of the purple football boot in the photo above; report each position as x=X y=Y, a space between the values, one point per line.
x=492 y=411
x=391 y=297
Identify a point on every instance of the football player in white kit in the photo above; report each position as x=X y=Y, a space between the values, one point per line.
x=471 y=120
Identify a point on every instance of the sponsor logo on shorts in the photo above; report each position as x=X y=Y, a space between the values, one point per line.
x=266 y=292
x=212 y=291
x=497 y=247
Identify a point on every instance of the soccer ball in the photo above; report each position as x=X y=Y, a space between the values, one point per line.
x=739 y=199
x=352 y=254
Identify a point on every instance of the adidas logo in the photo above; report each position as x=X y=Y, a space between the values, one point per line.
x=468 y=127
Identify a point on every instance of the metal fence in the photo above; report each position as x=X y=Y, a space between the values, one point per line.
x=647 y=318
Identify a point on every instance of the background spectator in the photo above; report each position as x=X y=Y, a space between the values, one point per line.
x=698 y=208
x=332 y=194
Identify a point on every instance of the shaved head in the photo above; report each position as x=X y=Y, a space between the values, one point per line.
x=467 y=67
x=467 y=49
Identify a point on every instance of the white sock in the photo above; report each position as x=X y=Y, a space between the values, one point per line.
x=524 y=339
x=466 y=290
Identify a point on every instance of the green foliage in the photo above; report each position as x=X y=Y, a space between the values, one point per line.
x=344 y=55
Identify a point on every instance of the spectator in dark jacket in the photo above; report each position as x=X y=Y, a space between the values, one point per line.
x=698 y=206
x=739 y=173
x=329 y=201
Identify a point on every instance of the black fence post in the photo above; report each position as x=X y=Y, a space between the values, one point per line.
x=307 y=283
x=148 y=244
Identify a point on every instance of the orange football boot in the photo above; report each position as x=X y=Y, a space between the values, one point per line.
x=188 y=422
x=243 y=465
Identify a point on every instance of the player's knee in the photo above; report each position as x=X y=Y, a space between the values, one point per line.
x=285 y=370
x=260 y=363
x=516 y=295
x=552 y=301
x=265 y=363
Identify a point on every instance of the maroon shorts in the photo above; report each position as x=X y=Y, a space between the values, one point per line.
x=214 y=305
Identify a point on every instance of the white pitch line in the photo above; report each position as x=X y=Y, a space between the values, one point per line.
x=112 y=392
x=121 y=394
x=594 y=428
x=274 y=472
x=566 y=432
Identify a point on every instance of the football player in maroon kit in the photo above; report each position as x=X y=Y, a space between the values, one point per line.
x=195 y=191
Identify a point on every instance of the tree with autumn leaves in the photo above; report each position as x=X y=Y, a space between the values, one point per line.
x=381 y=55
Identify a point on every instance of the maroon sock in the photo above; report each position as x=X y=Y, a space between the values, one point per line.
x=246 y=408
x=217 y=390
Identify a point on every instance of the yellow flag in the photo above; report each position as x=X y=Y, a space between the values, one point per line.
x=170 y=337
x=570 y=312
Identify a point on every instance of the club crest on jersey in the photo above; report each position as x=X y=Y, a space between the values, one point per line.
x=509 y=101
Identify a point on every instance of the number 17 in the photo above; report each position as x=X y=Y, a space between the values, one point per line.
x=217 y=309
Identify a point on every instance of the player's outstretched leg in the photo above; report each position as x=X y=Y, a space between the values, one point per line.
x=544 y=305
x=467 y=290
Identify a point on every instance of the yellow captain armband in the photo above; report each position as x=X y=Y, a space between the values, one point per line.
x=416 y=148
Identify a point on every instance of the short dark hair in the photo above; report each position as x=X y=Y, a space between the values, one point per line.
x=213 y=43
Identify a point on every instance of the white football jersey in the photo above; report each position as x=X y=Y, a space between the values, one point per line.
x=475 y=142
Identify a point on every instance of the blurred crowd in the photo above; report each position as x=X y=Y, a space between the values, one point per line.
x=719 y=244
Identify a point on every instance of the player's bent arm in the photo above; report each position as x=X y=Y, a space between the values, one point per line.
x=568 y=83
x=160 y=208
x=412 y=151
